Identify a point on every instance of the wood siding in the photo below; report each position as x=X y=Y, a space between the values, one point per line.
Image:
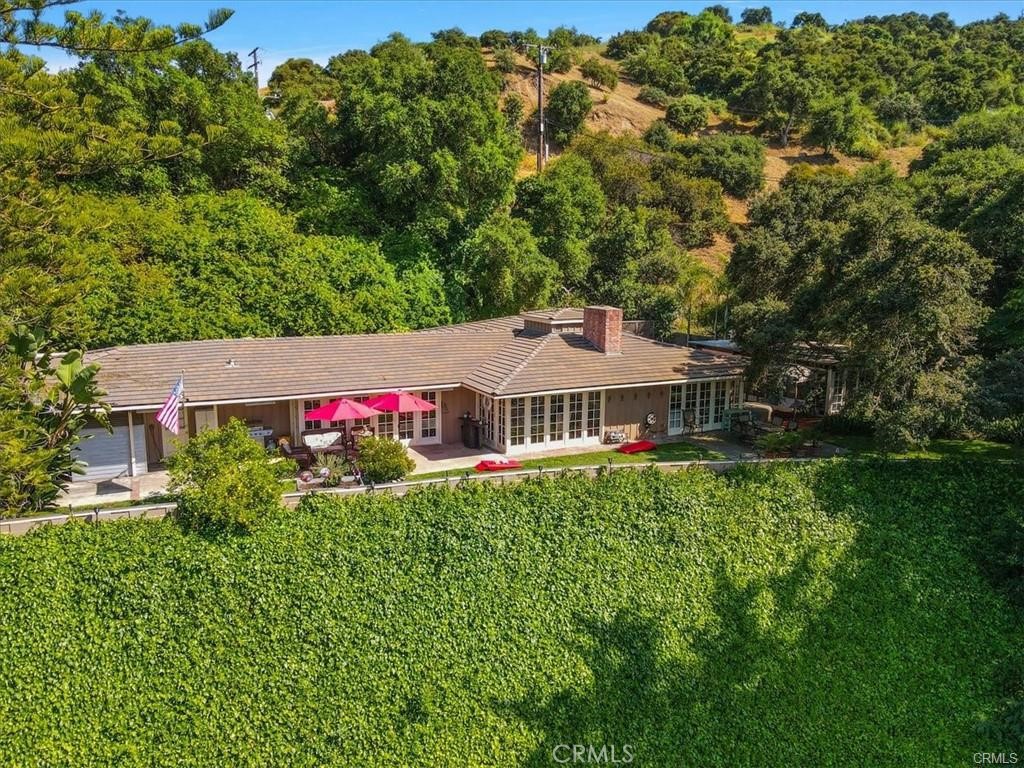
x=275 y=416
x=627 y=409
x=454 y=403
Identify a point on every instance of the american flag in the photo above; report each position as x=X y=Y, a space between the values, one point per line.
x=168 y=414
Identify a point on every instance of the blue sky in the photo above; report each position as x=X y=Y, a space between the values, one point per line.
x=316 y=30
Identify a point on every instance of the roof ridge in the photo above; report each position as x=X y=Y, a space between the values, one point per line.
x=522 y=363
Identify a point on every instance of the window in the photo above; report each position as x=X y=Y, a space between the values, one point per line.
x=690 y=398
x=406 y=425
x=428 y=419
x=675 y=407
x=309 y=405
x=594 y=414
x=721 y=392
x=575 y=415
x=536 y=419
x=386 y=424
x=704 y=401
x=556 y=418
x=517 y=421
x=361 y=422
x=486 y=416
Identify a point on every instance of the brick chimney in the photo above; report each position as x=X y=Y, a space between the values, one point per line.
x=602 y=327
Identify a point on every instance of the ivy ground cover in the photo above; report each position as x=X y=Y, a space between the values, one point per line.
x=840 y=613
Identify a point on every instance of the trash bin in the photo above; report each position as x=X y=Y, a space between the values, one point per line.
x=470 y=430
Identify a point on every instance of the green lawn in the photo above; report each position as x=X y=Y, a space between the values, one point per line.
x=666 y=452
x=834 y=613
x=859 y=445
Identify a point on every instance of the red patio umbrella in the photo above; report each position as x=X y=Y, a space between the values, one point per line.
x=400 y=402
x=340 y=410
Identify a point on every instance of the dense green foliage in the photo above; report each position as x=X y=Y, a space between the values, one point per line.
x=568 y=106
x=223 y=479
x=774 y=617
x=383 y=460
x=45 y=400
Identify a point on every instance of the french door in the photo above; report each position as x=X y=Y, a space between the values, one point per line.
x=707 y=400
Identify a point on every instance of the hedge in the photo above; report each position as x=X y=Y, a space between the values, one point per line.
x=831 y=614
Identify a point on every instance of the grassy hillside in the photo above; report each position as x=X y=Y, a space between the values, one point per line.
x=836 y=614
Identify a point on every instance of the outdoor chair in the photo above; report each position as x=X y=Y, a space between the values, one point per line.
x=691 y=423
x=301 y=455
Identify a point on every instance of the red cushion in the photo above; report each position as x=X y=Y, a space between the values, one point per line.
x=496 y=466
x=637 y=447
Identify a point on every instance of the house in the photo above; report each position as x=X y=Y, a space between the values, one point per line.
x=536 y=381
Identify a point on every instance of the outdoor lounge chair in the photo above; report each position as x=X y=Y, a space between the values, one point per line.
x=301 y=455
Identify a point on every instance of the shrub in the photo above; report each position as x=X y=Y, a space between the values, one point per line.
x=1008 y=430
x=651 y=94
x=599 y=73
x=513 y=109
x=505 y=60
x=736 y=162
x=688 y=114
x=383 y=460
x=494 y=38
x=780 y=442
x=223 y=479
x=879 y=591
x=568 y=106
x=331 y=467
x=660 y=135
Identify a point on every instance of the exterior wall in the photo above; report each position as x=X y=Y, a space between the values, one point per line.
x=454 y=403
x=627 y=409
x=275 y=416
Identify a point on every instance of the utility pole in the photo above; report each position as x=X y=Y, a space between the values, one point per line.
x=255 y=67
x=542 y=58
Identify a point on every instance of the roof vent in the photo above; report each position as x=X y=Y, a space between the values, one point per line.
x=231 y=363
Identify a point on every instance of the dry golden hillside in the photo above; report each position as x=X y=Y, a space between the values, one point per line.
x=620 y=112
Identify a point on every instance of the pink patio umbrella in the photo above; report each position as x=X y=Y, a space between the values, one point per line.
x=340 y=410
x=400 y=402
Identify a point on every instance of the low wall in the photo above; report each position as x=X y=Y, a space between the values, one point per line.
x=21 y=526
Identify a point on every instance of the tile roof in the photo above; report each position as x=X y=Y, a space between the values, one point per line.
x=494 y=356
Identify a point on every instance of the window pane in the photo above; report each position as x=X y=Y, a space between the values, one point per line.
x=309 y=405
x=405 y=425
x=428 y=420
x=517 y=421
x=536 y=419
x=385 y=424
x=556 y=421
x=704 y=402
x=675 y=407
x=593 y=414
x=575 y=415
x=486 y=416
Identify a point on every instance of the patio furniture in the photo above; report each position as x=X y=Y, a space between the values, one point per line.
x=400 y=402
x=341 y=410
x=638 y=447
x=691 y=423
x=300 y=454
x=325 y=440
x=613 y=436
x=488 y=465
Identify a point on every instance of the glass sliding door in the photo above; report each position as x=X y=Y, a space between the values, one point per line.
x=575 y=415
